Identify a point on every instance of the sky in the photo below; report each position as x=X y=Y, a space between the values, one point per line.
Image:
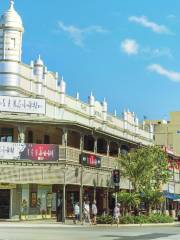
x=127 y=51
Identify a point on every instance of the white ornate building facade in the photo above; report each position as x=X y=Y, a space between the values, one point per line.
x=54 y=149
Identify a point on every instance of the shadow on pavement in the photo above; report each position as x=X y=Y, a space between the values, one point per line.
x=139 y=237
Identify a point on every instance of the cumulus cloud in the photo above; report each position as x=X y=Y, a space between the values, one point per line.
x=143 y=21
x=77 y=35
x=156 y=52
x=130 y=46
x=171 y=75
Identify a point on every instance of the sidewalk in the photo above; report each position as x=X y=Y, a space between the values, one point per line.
x=69 y=224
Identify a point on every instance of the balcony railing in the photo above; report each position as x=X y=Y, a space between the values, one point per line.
x=47 y=153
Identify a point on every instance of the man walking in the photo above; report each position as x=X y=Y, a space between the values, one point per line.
x=94 y=212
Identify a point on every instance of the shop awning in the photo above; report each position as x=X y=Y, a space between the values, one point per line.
x=173 y=196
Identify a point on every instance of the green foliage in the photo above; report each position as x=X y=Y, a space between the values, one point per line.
x=145 y=167
x=152 y=198
x=107 y=219
x=128 y=200
x=160 y=218
x=142 y=219
x=126 y=220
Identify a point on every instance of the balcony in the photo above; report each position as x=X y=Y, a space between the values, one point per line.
x=49 y=154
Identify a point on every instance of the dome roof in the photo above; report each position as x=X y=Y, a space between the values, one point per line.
x=39 y=62
x=11 y=18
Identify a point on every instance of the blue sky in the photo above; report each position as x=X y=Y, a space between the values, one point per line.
x=125 y=50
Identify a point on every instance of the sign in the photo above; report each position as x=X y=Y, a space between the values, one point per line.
x=7 y=185
x=22 y=105
x=90 y=160
x=26 y=151
x=174 y=164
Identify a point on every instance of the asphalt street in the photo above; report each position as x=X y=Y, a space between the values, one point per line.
x=59 y=232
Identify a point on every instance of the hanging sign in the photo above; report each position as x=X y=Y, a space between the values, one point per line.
x=90 y=160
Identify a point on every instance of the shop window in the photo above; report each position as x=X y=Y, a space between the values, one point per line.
x=33 y=195
x=33 y=199
x=30 y=136
x=46 y=139
x=6 y=134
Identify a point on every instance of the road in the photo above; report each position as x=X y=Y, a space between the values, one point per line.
x=31 y=232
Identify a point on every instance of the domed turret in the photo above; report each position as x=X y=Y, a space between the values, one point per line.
x=39 y=67
x=11 y=18
x=11 y=29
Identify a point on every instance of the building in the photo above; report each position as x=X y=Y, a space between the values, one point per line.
x=54 y=149
x=167 y=136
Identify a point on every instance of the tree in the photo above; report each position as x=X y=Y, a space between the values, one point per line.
x=152 y=199
x=145 y=167
x=128 y=201
x=147 y=170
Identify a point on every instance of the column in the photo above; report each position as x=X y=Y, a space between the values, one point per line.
x=81 y=196
x=64 y=137
x=108 y=148
x=119 y=150
x=21 y=134
x=64 y=204
x=107 y=201
x=82 y=142
x=95 y=145
x=64 y=141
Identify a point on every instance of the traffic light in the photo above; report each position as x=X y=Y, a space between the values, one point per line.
x=116 y=176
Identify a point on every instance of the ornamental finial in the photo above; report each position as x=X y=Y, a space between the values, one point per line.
x=11 y=4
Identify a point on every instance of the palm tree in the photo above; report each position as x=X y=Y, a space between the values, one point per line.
x=128 y=201
x=152 y=199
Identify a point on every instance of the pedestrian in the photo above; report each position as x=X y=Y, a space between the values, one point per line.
x=94 y=212
x=39 y=205
x=24 y=209
x=116 y=213
x=76 y=212
x=86 y=212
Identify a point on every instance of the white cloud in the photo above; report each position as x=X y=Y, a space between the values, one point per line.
x=77 y=35
x=156 y=52
x=130 y=46
x=143 y=21
x=171 y=75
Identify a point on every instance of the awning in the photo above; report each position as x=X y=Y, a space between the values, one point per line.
x=173 y=196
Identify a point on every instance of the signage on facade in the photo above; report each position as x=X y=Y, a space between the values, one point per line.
x=174 y=164
x=90 y=160
x=22 y=105
x=7 y=185
x=27 y=151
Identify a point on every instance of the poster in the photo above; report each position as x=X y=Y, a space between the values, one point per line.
x=23 y=151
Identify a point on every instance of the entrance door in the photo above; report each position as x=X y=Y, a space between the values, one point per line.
x=4 y=203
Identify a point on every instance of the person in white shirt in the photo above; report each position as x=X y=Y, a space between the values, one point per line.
x=116 y=213
x=86 y=212
x=76 y=212
x=94 y=212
